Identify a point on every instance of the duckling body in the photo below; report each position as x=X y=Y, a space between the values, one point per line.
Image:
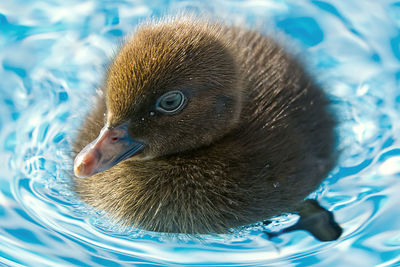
x=252 y=139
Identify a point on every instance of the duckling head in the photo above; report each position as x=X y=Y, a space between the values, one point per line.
x=171 y=88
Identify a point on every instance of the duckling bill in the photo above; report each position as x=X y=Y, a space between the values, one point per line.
x=202 y=128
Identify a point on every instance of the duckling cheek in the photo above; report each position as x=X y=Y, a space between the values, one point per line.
x=223 y=104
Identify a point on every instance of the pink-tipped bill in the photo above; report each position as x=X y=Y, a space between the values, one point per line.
x=112 y=146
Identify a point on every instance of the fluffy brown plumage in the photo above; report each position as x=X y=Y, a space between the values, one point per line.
x=253 y=140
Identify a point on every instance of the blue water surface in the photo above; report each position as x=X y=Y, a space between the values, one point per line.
x=52 y=57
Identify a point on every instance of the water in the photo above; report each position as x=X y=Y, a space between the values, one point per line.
x=52 y=56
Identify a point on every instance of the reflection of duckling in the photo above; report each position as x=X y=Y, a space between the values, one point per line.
x=207 y=128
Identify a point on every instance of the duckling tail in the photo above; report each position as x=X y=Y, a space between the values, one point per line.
x=316 y=220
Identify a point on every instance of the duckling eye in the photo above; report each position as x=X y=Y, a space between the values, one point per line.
x=171 y=102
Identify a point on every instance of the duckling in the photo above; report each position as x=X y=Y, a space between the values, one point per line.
x=202 y=128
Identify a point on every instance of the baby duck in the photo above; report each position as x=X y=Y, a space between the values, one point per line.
x=202 y=128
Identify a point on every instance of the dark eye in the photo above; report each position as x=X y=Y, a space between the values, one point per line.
x=171 y=102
